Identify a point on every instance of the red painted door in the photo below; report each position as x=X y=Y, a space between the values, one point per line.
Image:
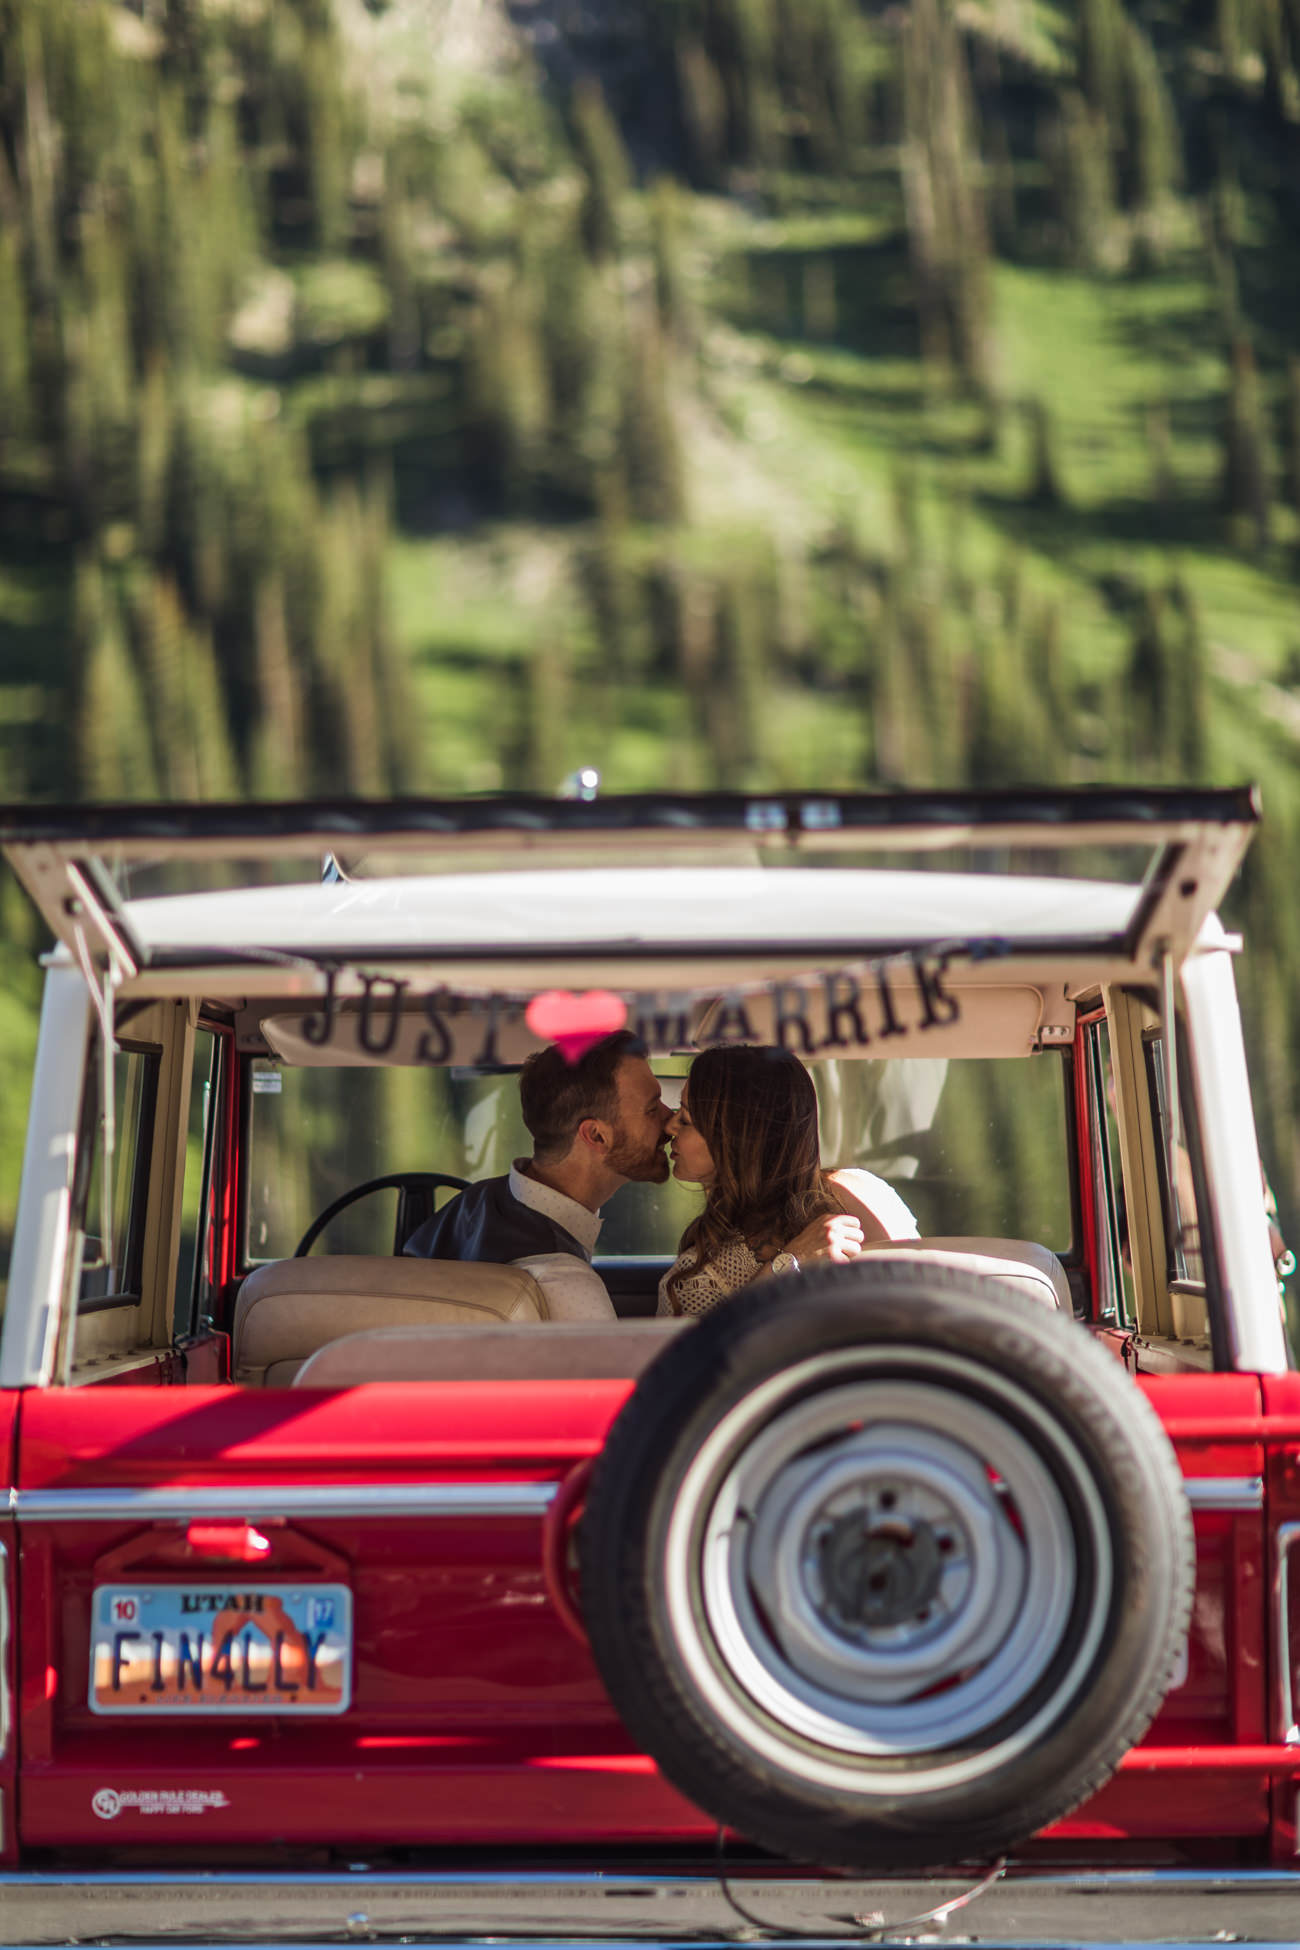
x=8 y=1619
x=1192 y=1774
x=1282 y=1446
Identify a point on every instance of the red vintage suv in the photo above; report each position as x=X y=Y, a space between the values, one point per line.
x=343 y=1591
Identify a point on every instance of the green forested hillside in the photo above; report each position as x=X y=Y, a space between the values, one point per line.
x=429 y=395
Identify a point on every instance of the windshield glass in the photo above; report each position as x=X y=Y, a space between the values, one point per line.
x=974 y=1147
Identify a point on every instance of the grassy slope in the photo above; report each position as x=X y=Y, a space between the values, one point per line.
x=789 y=435
x=800 y=434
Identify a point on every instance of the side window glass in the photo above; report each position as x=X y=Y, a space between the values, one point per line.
x=113 y=1223
x=1114 y=1280
x=193 y=1265
x=1177 y=1193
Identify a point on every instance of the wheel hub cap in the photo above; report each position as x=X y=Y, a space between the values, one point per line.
x=877 y=1570
x=884 y=1565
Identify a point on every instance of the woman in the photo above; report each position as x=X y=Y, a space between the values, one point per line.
x=747 y=1132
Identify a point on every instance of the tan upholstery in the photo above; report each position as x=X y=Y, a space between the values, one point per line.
x=1032 y=1269
x=556 y=1351
x=286 y=1310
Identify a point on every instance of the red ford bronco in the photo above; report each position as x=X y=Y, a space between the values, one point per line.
x=345 y=1591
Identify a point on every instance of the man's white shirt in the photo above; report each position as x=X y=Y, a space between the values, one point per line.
x=573 y=1290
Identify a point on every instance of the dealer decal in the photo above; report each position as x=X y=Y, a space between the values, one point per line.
x=109 y=1802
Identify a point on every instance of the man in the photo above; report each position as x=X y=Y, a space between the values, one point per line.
x=595 y=1124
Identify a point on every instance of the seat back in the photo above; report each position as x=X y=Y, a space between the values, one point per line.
x=291 y=1307
x=1032 y=1269
x=553 y=1351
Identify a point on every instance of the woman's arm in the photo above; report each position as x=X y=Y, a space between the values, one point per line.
x=871 y=1210
x=835 y=1236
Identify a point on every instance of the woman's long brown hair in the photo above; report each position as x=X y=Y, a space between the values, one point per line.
x=756 y=1109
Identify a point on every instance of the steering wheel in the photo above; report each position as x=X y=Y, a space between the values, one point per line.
x=415 y=1190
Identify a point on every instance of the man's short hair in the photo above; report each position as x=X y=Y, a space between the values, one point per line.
x=555 y=1095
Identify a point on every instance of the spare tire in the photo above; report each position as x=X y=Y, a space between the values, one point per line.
x=885 y=1565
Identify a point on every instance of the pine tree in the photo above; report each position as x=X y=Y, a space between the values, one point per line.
x=506 y=393
x=1191 y=741
x=39 y=174
x=1047 y=664
x=704 y=110
x=1280 y=86
x=153 y=421
x=549 y=704
x=1153 y=679
x=693 y=611
x=947 y=231
x=1164 y=487
x=745 y=30
x=1100 y=56
x=1078 y=154
x=819 y=306
x=995 y=750
x=1246 y=489
x=739 y=714
x=896 y=718
x=325 y=133
x=1153 y=145
x=599 y=149
x=1045 y=489
x=212 y=763
x=672 y=296
x=277 y=757
x=157 y=628
x=405 y=760
x=340 y=652
x=1291 y=433
x=608 y=582
x=1231 y=33
x=649 y=442
x=112 y=759
x=15 y=363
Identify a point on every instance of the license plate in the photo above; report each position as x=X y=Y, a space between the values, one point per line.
x=221 y=1648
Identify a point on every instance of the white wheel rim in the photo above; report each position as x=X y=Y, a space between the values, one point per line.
x=810 y=1489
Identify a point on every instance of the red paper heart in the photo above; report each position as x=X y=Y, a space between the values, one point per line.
x=574 y=1022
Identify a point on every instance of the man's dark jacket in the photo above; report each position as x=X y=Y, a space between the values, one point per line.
x=487 y=1221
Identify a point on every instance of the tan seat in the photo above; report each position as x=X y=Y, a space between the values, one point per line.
x=1032 y=1269
x=288 y=1309
x=555 y=1351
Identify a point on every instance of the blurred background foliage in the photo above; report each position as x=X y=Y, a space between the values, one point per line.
x=438 y=394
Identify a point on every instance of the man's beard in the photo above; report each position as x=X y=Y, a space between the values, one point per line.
x=642 y=1167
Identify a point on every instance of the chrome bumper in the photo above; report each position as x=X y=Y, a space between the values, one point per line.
x=1025 y=1905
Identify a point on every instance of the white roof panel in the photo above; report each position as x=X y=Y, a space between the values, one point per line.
x=635 y=909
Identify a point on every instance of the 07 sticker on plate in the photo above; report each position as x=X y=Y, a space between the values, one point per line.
x=221 y=1648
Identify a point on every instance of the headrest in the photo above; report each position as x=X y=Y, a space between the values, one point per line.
x=1033 y=1269
x=291 y=1307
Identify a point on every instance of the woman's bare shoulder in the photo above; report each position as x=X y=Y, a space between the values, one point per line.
x=883 y=1212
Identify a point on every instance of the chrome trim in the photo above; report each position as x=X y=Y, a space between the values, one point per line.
x=508 y=1499
x=178 y=1504
x=499 y=1499
x=683 y=1910
x=1288 y=1535
x=1225 y=1492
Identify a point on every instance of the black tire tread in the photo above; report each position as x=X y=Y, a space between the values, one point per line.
x=714 y=1364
